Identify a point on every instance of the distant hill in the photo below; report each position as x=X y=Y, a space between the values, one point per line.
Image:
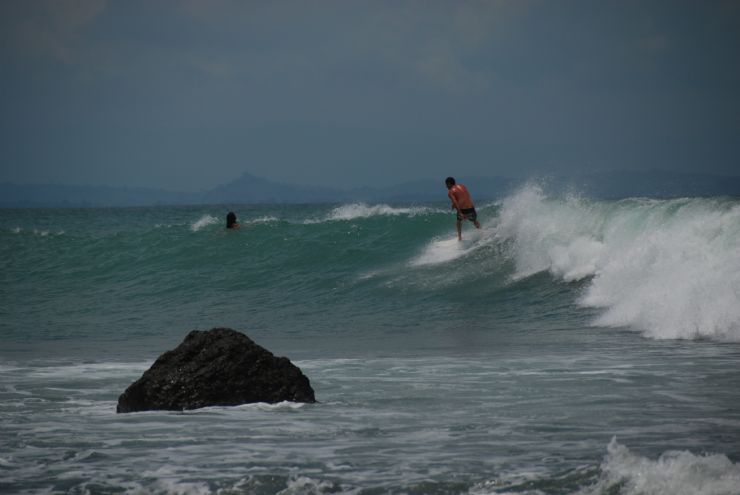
x=249 y=189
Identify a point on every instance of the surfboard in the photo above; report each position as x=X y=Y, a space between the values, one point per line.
x=449 y=248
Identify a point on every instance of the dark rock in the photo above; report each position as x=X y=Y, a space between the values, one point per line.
x=218 y=367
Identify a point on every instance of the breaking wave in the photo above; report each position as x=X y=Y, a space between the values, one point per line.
x=362 y=210
x=204 y=221
x=670 y=268
x=674 y=472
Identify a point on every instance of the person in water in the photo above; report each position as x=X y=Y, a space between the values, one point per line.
x=463 y=203
x=231 y=222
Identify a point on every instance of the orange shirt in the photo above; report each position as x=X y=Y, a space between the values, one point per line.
x=460 y=197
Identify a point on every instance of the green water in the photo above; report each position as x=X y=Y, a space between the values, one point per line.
x=569 y=346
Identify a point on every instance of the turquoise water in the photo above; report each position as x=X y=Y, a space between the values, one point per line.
x=569 y=346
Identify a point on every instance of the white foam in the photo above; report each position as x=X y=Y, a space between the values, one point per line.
x=558 y=237
x=674 y=473
x=362 y=210
x=669 y=268
x=443 y=250
x=284 y=406
x=204 y=221
x=92 y=371
x=169 y=487
x=279 y=406
x=305 y=485
x=265 y=219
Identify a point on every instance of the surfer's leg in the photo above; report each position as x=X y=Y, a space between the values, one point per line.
x=472 y=215
x=459 y=230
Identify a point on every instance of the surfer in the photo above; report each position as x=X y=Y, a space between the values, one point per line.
x=231 y=222
x=463 y=203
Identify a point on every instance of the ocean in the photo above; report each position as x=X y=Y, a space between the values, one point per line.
x=569 y=346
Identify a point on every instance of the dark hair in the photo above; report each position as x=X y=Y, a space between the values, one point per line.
x=450 y=181
x=230 y=220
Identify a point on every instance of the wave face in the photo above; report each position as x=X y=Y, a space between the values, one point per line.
x=670 y=268
x=499 y=364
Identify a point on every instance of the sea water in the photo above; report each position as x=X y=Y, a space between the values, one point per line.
x=568 y=346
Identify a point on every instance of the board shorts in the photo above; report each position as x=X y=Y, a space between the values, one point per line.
x=467 y=214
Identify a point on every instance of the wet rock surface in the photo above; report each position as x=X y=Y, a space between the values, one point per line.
x=218 y=367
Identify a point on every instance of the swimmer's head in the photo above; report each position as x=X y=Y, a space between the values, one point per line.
x=230 y=220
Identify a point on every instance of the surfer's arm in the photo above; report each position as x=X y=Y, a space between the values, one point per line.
x=455 y=205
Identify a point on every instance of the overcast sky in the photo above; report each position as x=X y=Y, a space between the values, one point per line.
x=185 y=95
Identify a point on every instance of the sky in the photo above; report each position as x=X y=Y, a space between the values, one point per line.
x=185 y=95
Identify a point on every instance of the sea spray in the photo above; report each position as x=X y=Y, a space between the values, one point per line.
x=361 y=210
x=674 y=472
x=444 y=249
x=546 y=235
x=203 y=222
x=670 y=268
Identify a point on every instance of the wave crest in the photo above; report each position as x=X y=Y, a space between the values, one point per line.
x=203 y=222
x=362 y=210
x=670 y=268
x=675 y=472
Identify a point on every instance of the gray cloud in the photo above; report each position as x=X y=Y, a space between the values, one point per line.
x=48 y=28
x=189 y=94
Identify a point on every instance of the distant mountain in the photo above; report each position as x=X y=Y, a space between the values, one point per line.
x=249 y=189
x=427 y=190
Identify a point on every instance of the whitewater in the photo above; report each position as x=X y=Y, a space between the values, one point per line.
x=569 y=346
